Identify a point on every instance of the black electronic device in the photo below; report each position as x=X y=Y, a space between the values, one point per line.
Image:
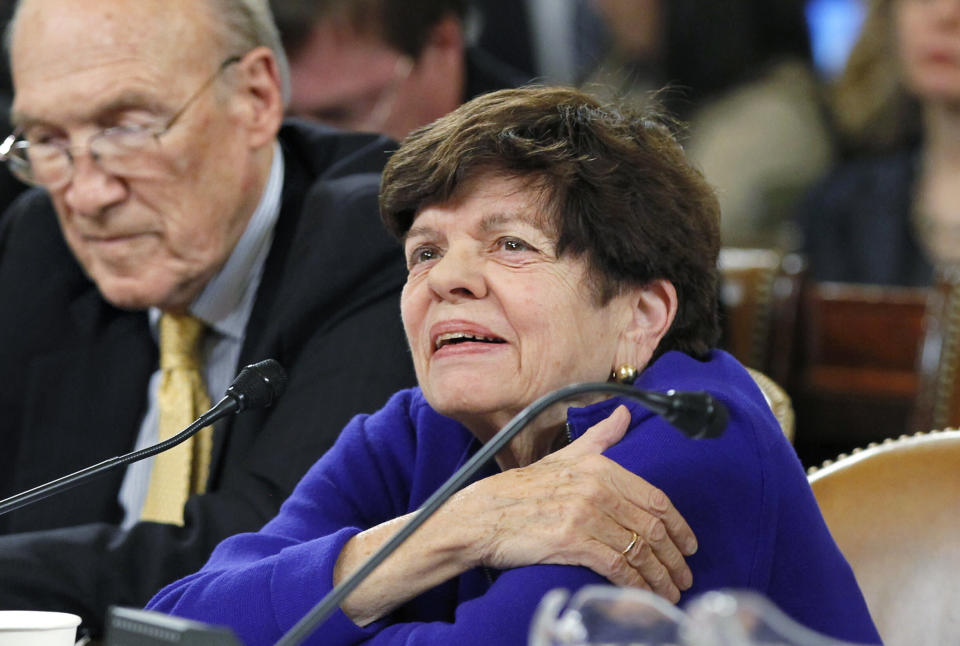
x=133 y=627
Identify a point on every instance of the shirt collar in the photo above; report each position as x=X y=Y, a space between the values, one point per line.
x=226 y=301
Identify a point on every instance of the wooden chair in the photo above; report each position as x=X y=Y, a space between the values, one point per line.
x=894 y=511
x=855 y=378
x=938 y=361
x=760 y=298
x=778 y=400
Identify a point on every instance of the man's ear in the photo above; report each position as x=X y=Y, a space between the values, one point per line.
x=446 y=36
x=261 y=95
x=440 y=64
x=653 y=308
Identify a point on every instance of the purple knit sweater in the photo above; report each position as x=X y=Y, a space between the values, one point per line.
x=745 y=495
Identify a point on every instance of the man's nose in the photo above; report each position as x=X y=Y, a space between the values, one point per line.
x=91 y=189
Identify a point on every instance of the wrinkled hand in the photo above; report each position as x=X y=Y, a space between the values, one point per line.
x=577 y=507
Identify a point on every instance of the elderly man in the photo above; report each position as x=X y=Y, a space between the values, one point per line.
x=174 y=205
x=384 y=66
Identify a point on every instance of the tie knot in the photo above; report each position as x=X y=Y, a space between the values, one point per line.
x=180 y=336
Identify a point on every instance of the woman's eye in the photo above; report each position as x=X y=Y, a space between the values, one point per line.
x=514 y=244
x=422 y=254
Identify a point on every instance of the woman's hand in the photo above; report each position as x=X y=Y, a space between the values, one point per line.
x=577 y=507
x=573 y=507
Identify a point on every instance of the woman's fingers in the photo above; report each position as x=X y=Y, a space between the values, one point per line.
x=657 y=545
x=605 y=434
x=658 y=504
x=631 y=502
x=638 y=567
x=654 y=572
x=601 y=436
x=653 y=554
x=648 y=500
x=603 y=513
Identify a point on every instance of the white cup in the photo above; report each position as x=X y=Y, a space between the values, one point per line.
x=37 y=628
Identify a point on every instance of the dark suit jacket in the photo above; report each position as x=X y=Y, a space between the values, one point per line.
x=74 y=373
x=484 y=73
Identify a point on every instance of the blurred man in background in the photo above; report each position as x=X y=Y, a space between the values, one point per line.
x=384 y=66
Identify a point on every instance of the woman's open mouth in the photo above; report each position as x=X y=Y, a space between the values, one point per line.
x=456 y=338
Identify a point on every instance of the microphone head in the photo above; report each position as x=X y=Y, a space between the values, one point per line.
x=697 y=414
x=258 y=385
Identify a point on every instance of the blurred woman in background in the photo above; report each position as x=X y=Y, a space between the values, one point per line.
x=743 y=79
x=891 y=213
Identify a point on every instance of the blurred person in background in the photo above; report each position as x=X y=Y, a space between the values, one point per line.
x=385 y=66
x=557 y=43
x=890 y=213
x=741 y=75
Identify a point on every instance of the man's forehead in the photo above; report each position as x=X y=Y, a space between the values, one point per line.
x=94 y=51
x=50 y=36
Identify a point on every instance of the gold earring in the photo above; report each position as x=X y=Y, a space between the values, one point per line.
x=624 y=374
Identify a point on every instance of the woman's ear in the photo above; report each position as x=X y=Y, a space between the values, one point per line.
x=652 y=309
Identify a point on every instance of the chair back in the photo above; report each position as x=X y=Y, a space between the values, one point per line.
x=778 y=400
x=938 y=361
x=760 y=295
x=894 y=511
x=855 y=380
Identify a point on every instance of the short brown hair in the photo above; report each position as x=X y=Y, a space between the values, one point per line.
x=617 y=184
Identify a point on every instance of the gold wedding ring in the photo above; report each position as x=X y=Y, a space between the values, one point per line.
x=633 y=541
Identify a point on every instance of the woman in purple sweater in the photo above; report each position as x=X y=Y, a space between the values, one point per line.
x=549 y=240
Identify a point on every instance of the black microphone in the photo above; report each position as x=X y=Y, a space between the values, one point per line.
x=257 y=386
x=695 y=414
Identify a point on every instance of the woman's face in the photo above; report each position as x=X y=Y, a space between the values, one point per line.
x=928 y=35
x=493 y=317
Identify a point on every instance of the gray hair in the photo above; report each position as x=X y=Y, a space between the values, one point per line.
x=247 y=24
x=242 y=25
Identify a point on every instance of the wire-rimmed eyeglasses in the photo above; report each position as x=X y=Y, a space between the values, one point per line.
x=120 y=150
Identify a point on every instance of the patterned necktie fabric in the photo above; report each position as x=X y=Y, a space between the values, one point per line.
x=181 y=398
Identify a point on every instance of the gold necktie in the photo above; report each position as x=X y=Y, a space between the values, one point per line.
x=181 y=398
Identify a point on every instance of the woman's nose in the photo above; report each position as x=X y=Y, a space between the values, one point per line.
x=459 y=274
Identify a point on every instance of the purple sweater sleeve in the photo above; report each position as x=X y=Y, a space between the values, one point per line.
x=261 y=584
